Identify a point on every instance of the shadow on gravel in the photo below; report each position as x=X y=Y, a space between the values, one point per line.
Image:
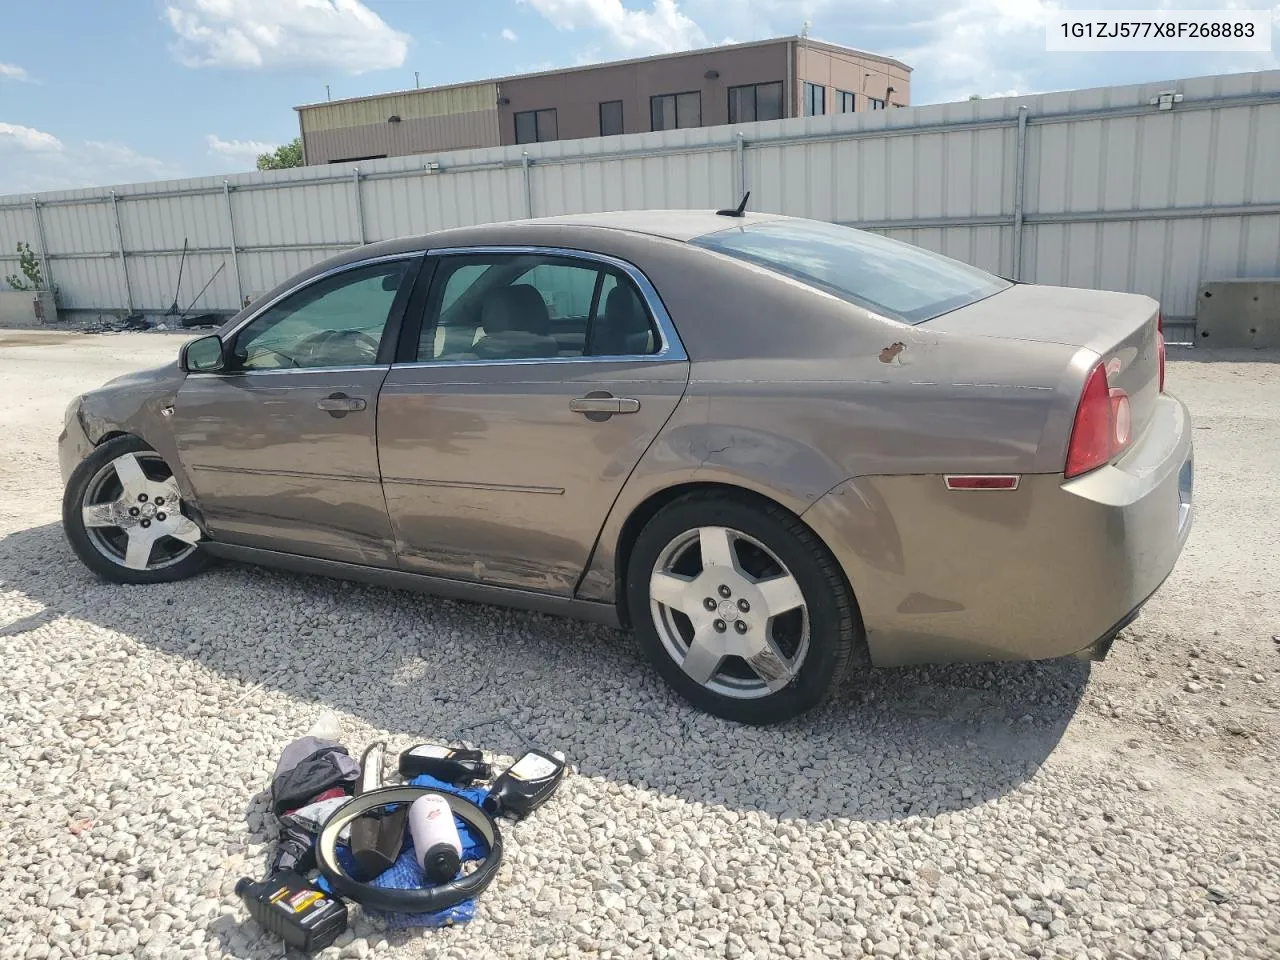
x=892 y=744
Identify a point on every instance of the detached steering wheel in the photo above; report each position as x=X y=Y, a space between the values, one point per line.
x=321 y=346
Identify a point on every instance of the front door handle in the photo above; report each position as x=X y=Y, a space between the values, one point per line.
x=339 y=404
x=604 y=403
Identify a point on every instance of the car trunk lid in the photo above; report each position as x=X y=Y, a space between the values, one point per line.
x=1121 y=328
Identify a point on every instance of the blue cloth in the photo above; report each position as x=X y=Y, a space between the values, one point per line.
x=405 y=874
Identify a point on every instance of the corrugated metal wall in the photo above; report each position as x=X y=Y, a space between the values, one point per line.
x=408 y=104
x=1112 y=192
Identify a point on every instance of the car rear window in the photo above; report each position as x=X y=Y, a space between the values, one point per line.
x=889 y=277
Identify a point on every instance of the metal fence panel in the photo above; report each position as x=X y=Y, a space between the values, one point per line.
x=1111 y=192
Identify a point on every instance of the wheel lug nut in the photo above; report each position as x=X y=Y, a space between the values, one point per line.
x=740 y=626
x=725 y=591
x=720 y=626
x=158 y=502
x=744 y=606
x=160 y=517
x=142 y=498
x=146 y=523
x=133 y=511
x=709 y=603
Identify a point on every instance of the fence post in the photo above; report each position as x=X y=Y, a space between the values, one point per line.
x=44 y=244
x=742 y=168
x=1019 y=187
x=355 y=183
x=124 y=264
x=528 y=187
x=231 y=233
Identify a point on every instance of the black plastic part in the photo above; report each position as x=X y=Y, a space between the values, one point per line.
x=295 y=911
x=295 y=850
x=737 y=211
x=441 y=863
x=376 y=841
x=526 y=785
x=462 y=767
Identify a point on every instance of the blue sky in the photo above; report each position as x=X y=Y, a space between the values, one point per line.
x=96 y=92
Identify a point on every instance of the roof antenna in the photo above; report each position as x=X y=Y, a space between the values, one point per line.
x=736 y=211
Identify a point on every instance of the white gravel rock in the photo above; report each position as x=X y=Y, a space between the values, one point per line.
x=1045 y=810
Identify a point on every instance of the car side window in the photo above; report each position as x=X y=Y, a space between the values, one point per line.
x=335 y=322
x=532 y=307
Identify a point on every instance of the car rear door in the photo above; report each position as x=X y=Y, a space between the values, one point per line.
x=280 y=446
x=537 y=380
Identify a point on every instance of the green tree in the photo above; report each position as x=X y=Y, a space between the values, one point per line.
x=30 y=267
x=289 y=155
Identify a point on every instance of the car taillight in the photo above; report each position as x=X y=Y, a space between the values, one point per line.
x=1160 y=345
x=1102 y=427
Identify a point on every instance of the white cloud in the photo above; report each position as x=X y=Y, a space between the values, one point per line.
x=960 y=47
x=12 y=71
x=284 y=35
x=238 y=149
x=663 y=28
x=29 y=139
x=32 y=160
x=509 y=35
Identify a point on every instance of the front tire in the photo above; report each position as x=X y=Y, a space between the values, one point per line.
x=741 y=607
x=122 y=514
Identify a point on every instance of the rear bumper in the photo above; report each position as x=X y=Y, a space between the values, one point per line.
x=1050 y=569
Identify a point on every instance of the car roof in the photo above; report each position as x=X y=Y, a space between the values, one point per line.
x=681 y=225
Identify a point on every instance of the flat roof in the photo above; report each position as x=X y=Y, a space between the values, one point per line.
x=819 y=44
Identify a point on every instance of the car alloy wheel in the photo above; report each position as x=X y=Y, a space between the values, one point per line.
x=131 y=510
x=729 y=612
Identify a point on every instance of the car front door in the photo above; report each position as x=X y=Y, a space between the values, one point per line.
x=537 y=382
x=280 y=445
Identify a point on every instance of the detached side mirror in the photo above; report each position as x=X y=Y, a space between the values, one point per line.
x=203 y=355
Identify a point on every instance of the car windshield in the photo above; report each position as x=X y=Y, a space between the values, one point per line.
x=886 y=276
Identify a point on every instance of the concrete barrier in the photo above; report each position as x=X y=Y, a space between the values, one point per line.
x=20 y=309
x=1239 y=313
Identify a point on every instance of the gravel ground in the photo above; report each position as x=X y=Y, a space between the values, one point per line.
x=1047 y=810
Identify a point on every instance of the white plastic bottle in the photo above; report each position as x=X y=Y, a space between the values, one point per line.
x=436 y=843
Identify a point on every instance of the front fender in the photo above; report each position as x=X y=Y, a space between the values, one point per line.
x=134 y=404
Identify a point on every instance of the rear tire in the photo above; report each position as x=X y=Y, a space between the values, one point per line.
x=741 y=607
x=122 y=514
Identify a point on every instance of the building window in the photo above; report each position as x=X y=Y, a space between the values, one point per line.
x=536 y=126
x=815 y=99
x=875 y=104
x=755 y=101
x=844 y=101
x=673 y=110
x=610 y=118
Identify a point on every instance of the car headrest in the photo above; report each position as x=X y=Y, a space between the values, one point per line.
x=518 y=308
x=623 y=310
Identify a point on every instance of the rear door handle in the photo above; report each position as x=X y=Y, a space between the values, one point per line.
x=604 y=404
x=339 y=404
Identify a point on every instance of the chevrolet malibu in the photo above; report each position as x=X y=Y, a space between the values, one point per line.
x=777 y=449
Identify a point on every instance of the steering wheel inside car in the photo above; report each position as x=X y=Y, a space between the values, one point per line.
x=334 y=347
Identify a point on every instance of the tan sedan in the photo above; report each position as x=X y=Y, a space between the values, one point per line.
x=763 y=443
